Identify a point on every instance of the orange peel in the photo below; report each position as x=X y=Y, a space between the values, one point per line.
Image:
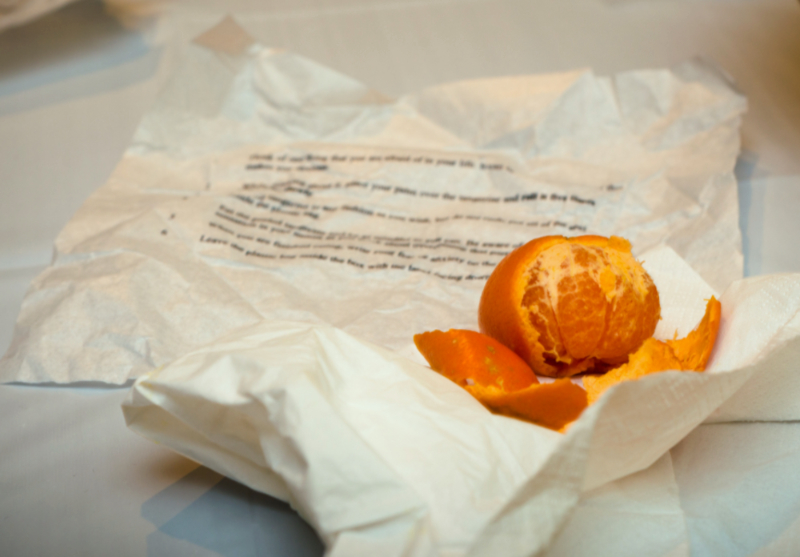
x=553 y=405
x=570 y=305
x=694 y=350
x=690 y=353
x=499 y=379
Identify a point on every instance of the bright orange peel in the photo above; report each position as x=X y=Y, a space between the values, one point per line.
x=690 y=353
x=553 y=405
x=694 y=350
x=499 y=379
x=469 y=358
x=570 y=305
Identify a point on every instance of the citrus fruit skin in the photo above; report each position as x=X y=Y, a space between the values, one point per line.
x=499 y=379
x=552 y=405
x=469 y=358
x=569 y=305
x=690 y=353
x=694 y=350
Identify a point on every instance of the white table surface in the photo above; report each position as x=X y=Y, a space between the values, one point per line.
x=73 y=85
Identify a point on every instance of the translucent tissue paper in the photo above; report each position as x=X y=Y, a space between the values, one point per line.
x=263 y=186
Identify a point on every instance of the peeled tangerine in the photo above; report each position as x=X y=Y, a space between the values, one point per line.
x=570 y=305
x=499 y=379
x=563 y=306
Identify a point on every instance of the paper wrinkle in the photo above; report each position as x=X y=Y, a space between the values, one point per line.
x=287 y=439
x=318 y=387
x=783 y=544
x=227 y=36
x=177 y=303
x=646 y=503
x=759 y=458
x=490 y=113
x=759 y=309
x=142 y=413
x=770 y=394
x=682 y=286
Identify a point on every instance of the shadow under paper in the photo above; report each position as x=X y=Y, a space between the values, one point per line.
x=751 y=211
x=227 y=519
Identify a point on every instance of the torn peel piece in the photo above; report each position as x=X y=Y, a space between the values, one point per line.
x=694 y=349
x=499 y=379
x=553 y=405
x=470 y=358
x=690 y=353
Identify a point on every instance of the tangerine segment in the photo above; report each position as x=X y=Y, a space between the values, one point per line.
x=690 y=353
x=470 y=358
x=568 y=305
x=552 y=405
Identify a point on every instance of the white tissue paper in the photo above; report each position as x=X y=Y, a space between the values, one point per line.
x=277 y=233
x=385 y=457
x=264 y=186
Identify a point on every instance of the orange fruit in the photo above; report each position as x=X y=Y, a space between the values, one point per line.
x=499 y=379
x=690 y=353
x=569 y=305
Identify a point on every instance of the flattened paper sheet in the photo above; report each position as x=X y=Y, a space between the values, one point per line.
x=263 y=186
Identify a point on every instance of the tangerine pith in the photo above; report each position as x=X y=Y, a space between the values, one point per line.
x=569 y=305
